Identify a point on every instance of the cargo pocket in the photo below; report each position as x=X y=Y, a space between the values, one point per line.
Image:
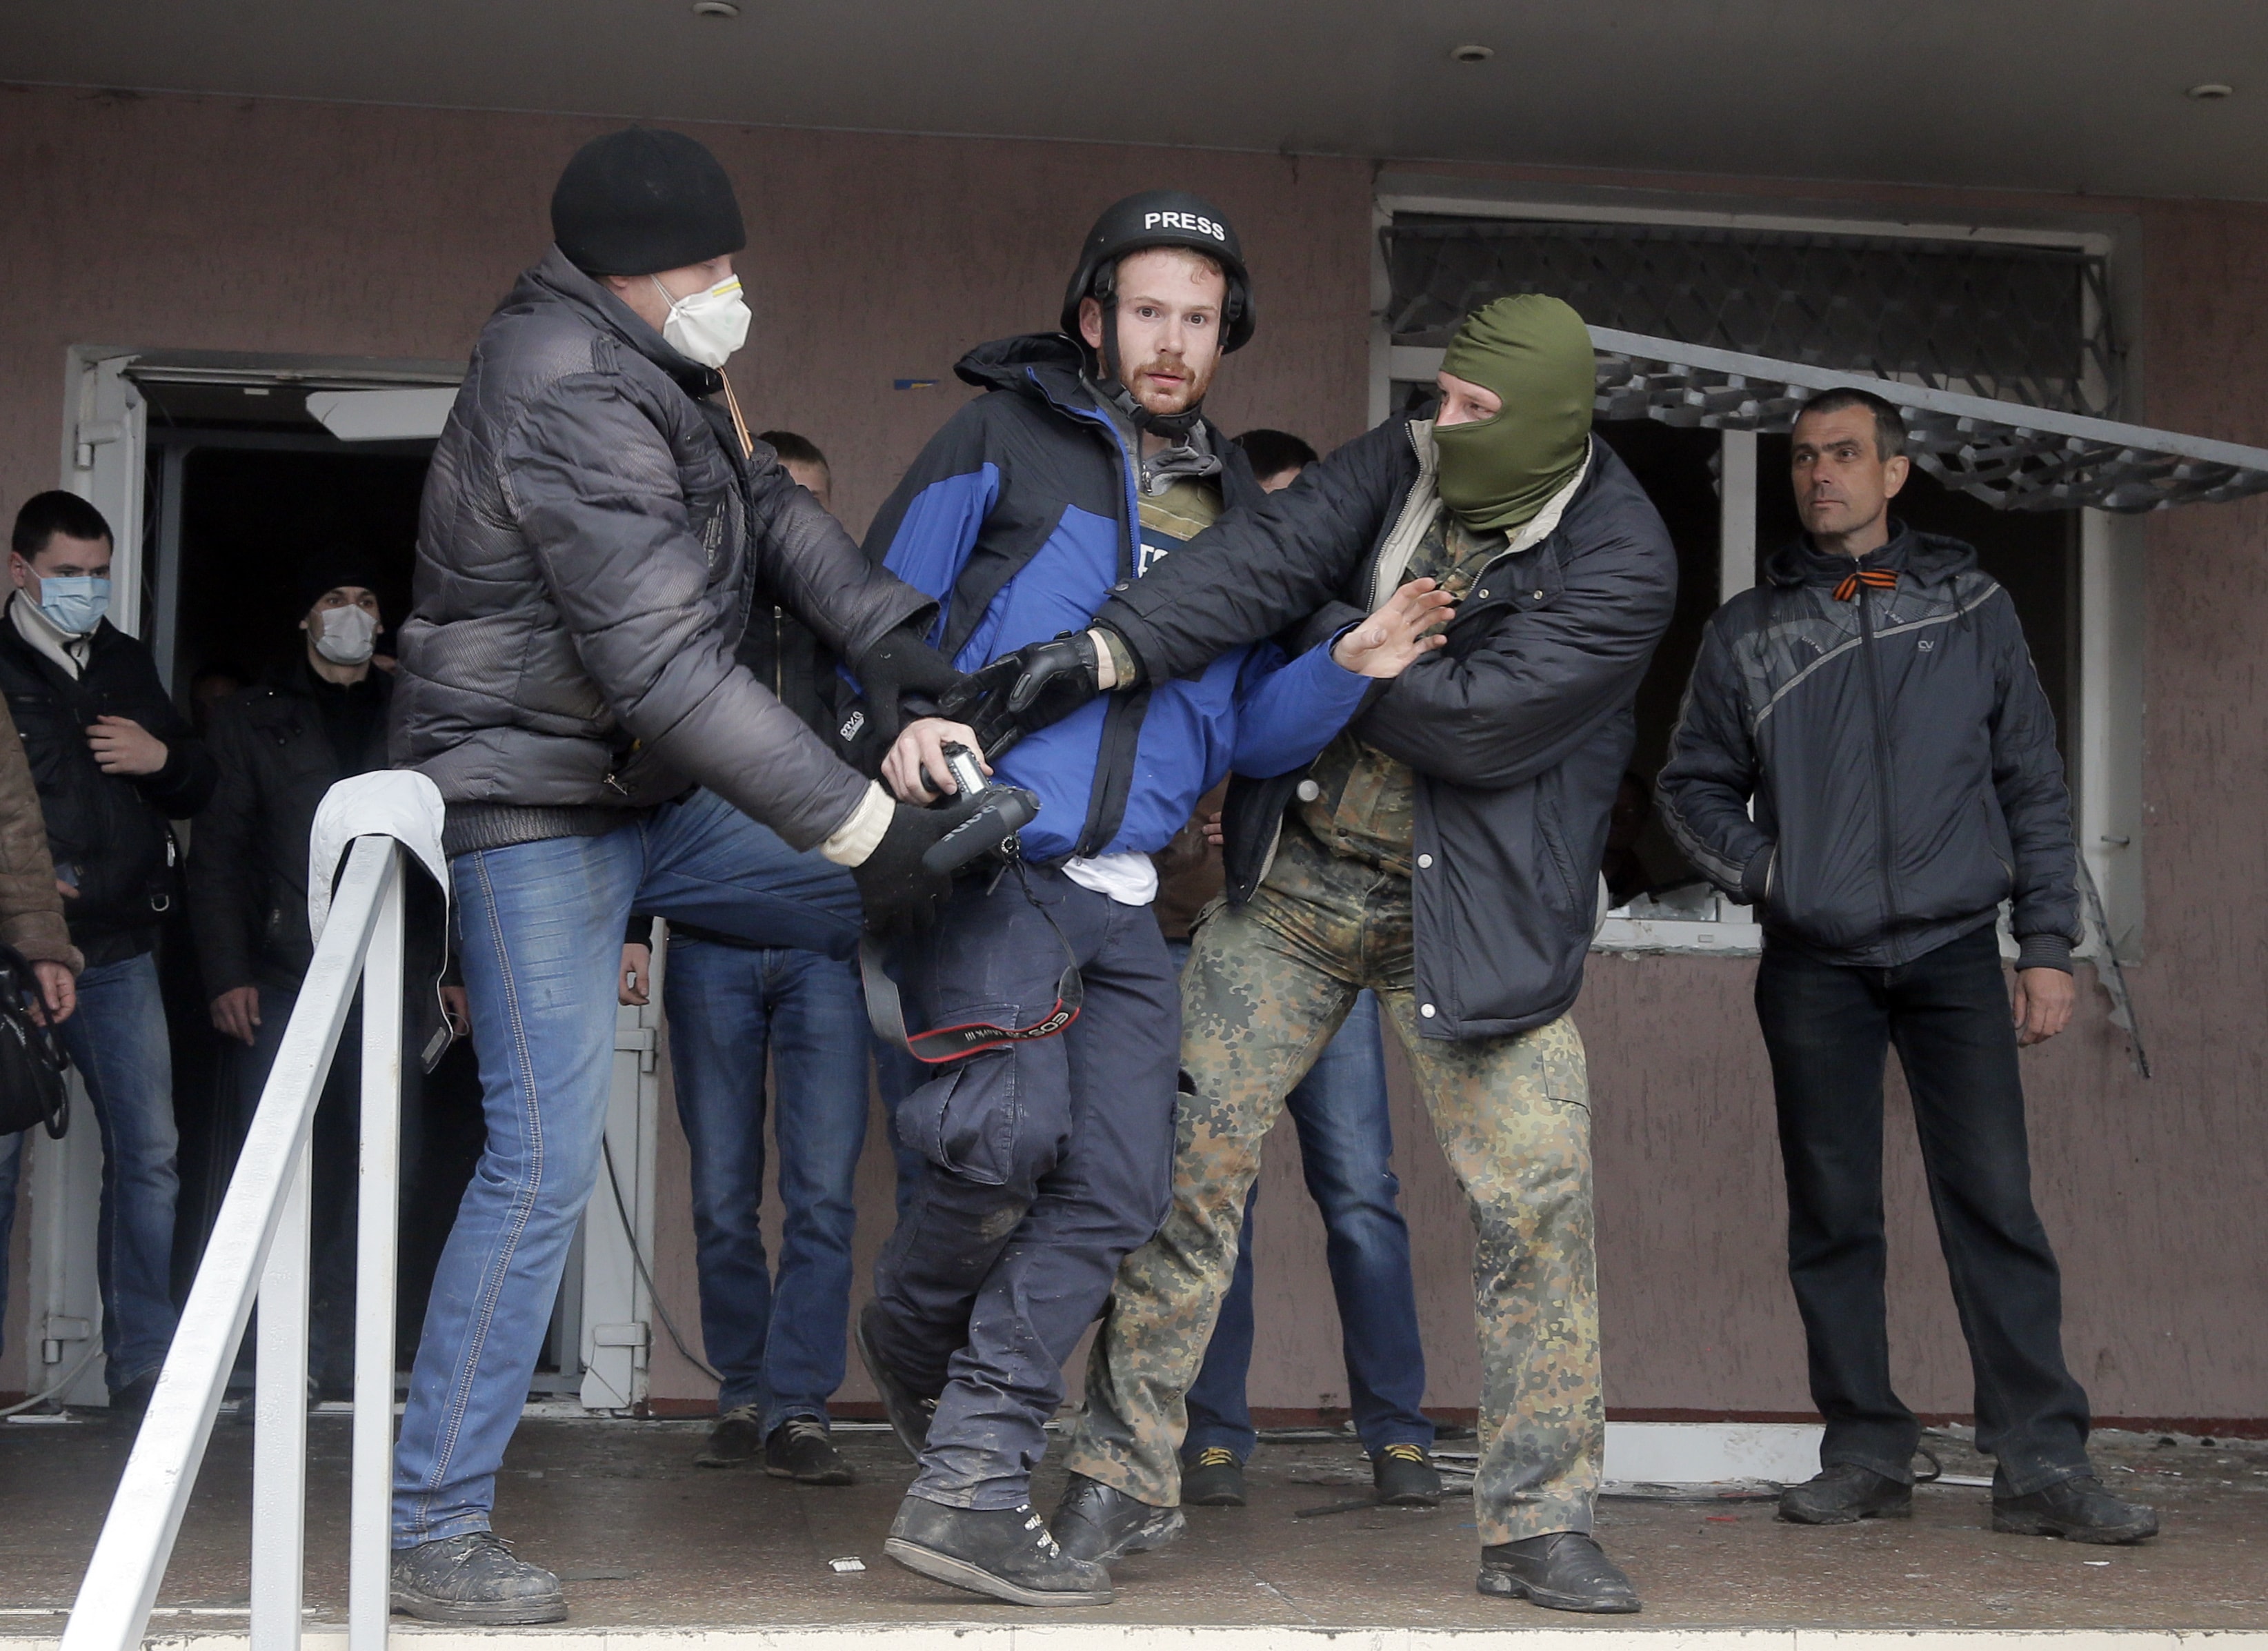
x=964 y=1121
x=1560 y=1069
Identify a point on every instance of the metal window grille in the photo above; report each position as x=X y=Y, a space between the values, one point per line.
x=2023 y=324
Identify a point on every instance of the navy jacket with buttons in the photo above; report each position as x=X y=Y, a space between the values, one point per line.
x=1899 y=752
x=1519 y=730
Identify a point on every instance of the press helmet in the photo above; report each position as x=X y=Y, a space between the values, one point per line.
x=1164 y=217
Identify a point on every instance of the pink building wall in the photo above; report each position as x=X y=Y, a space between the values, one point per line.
x=267 y=227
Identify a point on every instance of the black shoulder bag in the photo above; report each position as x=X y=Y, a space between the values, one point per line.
x=31 y=1058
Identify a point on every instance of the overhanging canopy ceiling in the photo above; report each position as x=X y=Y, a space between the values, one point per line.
x=2042 y=94
x=2013 y=457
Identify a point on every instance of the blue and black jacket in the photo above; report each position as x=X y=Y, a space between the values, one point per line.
x=1021 y=517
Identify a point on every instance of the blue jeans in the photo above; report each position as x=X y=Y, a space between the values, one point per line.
x=540 y=928
x=1346 y=1152
x=778 y=1345
x=117 y=1039
x=897 y=1075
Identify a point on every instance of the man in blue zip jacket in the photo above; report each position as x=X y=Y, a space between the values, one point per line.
x=1047 y=1156
x=1865 y=755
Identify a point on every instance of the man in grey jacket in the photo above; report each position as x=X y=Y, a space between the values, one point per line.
x=595 y=529
x=1873 y=702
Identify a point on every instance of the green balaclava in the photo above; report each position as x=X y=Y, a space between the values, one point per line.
x=1535 y=352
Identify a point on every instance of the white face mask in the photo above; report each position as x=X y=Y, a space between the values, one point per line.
x=346 y=636
x=707 y=327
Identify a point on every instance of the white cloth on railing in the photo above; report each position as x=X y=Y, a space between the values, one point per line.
x=398 y=803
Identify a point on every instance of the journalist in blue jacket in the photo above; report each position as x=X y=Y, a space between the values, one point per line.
x=1047 y=1156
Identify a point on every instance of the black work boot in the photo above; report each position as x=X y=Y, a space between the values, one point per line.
x=131 y=1403
x=908 y=1411
x=1003 y=1554
x=2077 y=1510
x=473 y=1579
x=1843 y=1493
x=1406 y=1477
x=1094 y=1521
x=1213 y=1477
x=1563 y=1571
x=737 y=1439
x=801 y=1449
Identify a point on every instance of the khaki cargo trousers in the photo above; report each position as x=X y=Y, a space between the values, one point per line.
x=1266 y=986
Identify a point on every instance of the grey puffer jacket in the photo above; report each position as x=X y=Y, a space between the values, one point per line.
x=1900 y=754
x=1519 y=729
x=590 y=548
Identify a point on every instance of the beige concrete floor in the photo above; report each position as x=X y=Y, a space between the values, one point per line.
x=645 y=1538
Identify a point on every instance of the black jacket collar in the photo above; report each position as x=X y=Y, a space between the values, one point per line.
x=296 y=678
x=1928 y=558
x=1048 y=370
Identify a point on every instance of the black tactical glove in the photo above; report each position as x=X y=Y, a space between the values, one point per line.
x=1019 y=693
x=898 y=892
x=901 y=663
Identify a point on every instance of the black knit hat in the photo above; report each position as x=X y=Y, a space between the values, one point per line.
x=333 y=567
x=635 y=202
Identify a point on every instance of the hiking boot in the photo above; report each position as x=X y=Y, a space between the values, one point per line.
x=473 y=1579
x=801 y=1449
x=1213 y=1477
x=1406 y=1477
x=1003 y=1554
x=908 y=1411
x=737 y=1439
x=1094 y=1521
x=2077 y=1510
x=1563 y=1571
x=1843 y=1493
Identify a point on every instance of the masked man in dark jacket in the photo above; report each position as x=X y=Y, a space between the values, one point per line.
x=1444 y=850
x=596 y=530
x=114 y=762
x=1047 y=1141
x=317 y=720
x=1873 y=702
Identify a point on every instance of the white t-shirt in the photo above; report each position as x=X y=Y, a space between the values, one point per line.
x=1129 y=878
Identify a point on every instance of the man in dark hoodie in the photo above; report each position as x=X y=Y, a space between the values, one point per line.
x=1046 y=1132
x=1865 y=755
x=1444 y=852
x=596 y=530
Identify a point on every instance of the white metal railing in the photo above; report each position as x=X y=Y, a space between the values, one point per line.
x=259 y=1252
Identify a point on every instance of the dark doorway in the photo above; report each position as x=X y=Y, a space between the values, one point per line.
x=1678 y=469
x=251 y=518
x=241 y=514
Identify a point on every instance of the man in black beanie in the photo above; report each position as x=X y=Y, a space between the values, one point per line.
x=317 y=717
x=595 y=528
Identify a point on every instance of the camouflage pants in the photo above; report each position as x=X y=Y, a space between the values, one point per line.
x=1266 y=986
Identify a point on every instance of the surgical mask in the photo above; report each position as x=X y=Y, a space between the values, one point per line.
x=75 y=606
x=707 y=327
x=346 y=636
